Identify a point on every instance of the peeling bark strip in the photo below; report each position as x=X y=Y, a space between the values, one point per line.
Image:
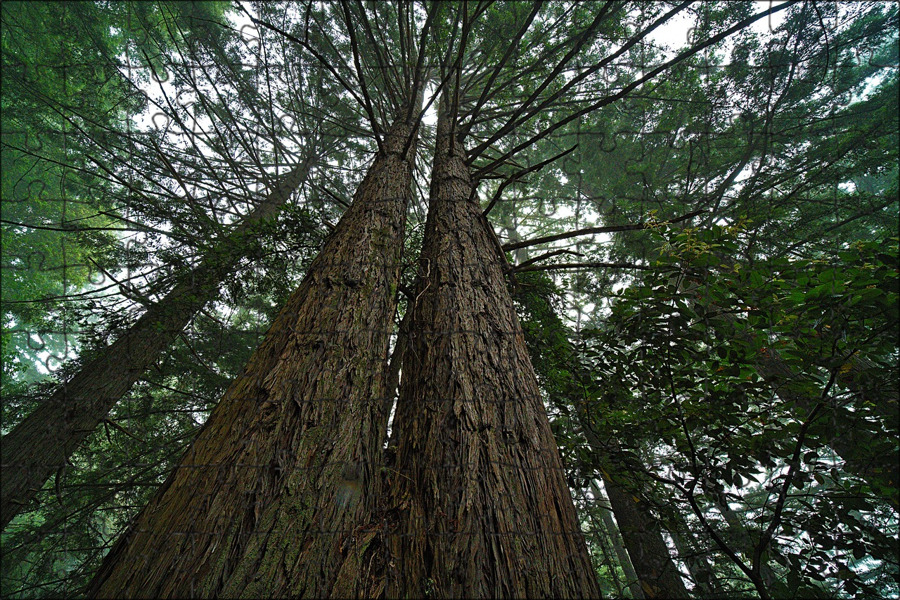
x=43 y=442
x=484 y=510
x=267 y=498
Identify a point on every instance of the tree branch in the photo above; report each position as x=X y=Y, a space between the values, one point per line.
x=545 y=256
x=592 y=230
x=587 y=265
x=367 y=101
x=519 y=174
x=742 y=24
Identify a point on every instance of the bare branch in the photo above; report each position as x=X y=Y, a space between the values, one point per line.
x=592 y=230
x=742 y=24
x=587 y=265
x=367 y=101
x=545 y=256
x=518 y=175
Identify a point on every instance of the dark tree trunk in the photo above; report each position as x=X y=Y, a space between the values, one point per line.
x=268 y=499
x=649 y=553
x=43 y=442
x=633 y=582
x=656 y=571
x=482 y=502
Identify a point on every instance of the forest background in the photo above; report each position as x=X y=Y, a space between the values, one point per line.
x=694 y=207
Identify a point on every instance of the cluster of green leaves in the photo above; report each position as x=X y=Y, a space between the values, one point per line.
x=707 y=370
x=722 y=373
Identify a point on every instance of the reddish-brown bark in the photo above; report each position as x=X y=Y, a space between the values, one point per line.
x=479 y=494
x=266 y=501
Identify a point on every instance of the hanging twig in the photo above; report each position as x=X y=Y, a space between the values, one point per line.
x=544 y=256
x=587 y=265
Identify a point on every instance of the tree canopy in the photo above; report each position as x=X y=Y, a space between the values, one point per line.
x=694 y=206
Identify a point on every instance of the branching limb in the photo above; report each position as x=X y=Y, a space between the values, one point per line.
x=586 y=265
x=742 y=24
x=367 y=101
x=545 y=256
x=592 y=230
x=513 y=44
x=518 y=175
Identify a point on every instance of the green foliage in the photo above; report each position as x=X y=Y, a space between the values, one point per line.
x=770 y=317
x=734 y=368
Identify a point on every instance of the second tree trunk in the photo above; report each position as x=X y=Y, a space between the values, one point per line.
x=483 y=505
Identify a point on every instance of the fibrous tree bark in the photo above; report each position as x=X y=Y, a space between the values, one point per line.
x=479 y=492
x=267 y=499
x=43 y=442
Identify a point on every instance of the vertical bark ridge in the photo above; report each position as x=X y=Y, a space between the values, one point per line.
x=43 y=442
x=287 y=466
x=480 y=498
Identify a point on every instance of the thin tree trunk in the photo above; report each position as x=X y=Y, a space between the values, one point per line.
x=482 y=502
x=602 y=538
x=43 y=442
x=658 y=575
x=656 y=571
x=269 y=497
x=634 y=585
x=867 y=453
x=702 y=572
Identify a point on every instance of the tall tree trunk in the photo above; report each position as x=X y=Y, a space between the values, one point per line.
x=601 y=537
x=656 y=571
x=267 y=499
x=702 y=572
x=43 y=442
x=482 y=502
x=658 y=575
x=634 y=585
